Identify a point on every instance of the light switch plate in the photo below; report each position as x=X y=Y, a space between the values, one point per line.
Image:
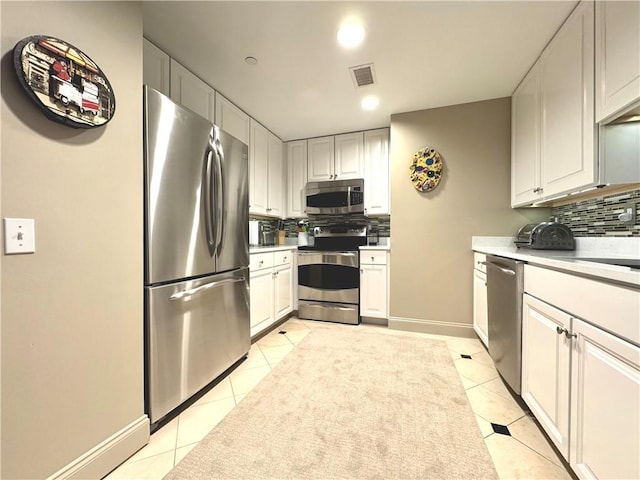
x=19 y=235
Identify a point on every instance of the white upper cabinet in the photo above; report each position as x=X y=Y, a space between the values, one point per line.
x=338 y=157
x=258 y=168
x=349 y=159
x=320 y=158
x=275 y=177
x=266 y=172
x=155 y=70
x=191 y=92
x=376 y=172
x=553 y=129
x=296 y=178
x=568 y=130
x=617 y=57
x=231 y=119
x=525 y=140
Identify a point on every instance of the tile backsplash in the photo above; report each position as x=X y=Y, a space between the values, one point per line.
x=598 y=217
x=382 y=224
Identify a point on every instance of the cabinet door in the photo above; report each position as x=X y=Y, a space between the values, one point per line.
x=525 y=140
x=155 y=71
x=275 y=177
x=617 y=56
x=231 y=119
x=320 y=156
x=605 y=400
x=373 y=291
x=191 y=92
x=296 y=178
x=258 y=168
x=567 y=139
x=283 y=291
x=349 y=159
x=376 y=172
x=261 y=299
x=480 y=316
x=545 y=368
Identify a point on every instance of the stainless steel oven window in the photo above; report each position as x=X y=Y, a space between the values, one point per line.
x=329 y=276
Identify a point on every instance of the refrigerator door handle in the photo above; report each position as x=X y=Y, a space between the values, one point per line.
x=220 y=219
x=207 y=200
x=194 y=291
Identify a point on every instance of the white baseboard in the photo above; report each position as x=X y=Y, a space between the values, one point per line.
x=433 y=327
x=104 y=457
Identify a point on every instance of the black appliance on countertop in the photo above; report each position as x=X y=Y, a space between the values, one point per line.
x=545 y=236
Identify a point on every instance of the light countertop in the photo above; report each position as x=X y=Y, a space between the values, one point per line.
x=271 y=248
x=572 y=261
x=376 y=247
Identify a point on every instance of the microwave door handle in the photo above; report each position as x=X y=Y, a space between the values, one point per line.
x=220 y=211
x=349 y=197
x=207 y=201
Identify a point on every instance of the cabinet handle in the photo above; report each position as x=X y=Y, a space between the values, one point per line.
x=560 y=331
x=372 y=258
x=260 y=262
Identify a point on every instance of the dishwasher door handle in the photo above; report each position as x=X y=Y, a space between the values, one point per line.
x=503 y=270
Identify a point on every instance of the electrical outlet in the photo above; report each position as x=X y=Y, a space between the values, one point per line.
x=19 y=235
x=628 y=215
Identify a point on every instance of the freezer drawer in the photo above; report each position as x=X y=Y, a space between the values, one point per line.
x=195 y=330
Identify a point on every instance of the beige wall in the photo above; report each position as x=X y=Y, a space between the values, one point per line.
x=431 y=259
x=72 y=313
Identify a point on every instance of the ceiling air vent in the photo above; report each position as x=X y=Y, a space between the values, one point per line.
x=363 y=75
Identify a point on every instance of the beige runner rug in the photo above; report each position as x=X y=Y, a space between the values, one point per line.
x=350 y=404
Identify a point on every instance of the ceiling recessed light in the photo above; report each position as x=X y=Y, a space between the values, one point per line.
x=350 y=35
x=251 y=60
x=370 y=102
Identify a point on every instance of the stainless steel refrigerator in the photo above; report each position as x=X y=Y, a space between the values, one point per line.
x=196 y=253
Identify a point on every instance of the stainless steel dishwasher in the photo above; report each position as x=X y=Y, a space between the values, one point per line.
x=505 y=279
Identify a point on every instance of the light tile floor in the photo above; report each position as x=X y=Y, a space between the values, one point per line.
x=526 y=454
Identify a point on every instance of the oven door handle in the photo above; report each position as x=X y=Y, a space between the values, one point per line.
x=335 y=306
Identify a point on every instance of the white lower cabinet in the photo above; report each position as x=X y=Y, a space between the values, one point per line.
x=480 y=312
x=283 y=294
x=271 y=288
x=545 y=368
x=373 y=284
x=581 y=369
x=605 y=405
x=261 y=295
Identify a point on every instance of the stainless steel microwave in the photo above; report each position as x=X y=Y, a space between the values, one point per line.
x=335 y=197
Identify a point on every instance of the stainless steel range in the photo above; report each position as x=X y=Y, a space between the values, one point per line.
x=329 y=275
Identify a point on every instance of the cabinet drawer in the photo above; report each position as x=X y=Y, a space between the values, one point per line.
x=258 y=261
x=614 y=308
x=373 y=257
x=478 y=258
x=283 y=258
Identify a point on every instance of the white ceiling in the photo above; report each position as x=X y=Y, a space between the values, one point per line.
x=426 y=54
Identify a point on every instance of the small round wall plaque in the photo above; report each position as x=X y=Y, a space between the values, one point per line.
x=425 y=170
x=64 y=82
